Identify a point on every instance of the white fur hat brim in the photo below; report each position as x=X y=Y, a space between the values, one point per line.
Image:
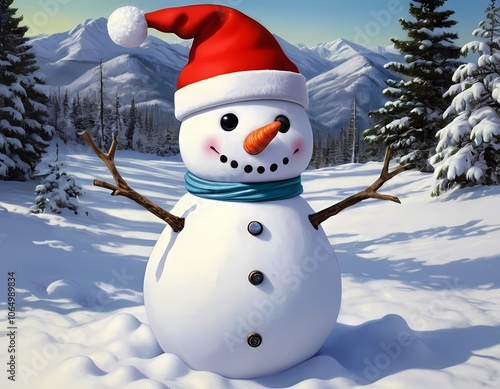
x=241 y=86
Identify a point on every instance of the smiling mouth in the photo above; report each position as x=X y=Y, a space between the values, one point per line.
x=249 y=168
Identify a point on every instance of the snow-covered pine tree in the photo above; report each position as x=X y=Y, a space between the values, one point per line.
x=150 y=130
x=58 y=190
x=76 y=113
x=117 y=125
x=338 y=151
x=408 y=123
x=324 y=151
x=87 y=120
x=66 y=124
x=328 y=156
x=468 y=152
x=315 y=161
x=138 y=141
x=169 y=145
x=131 y=125
x=24 y=134
x=65 y=104
x=61 y=117
x=54 y=108
x=346 y=153
x=142 y=135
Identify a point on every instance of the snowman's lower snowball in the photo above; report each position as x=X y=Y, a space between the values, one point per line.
x=203 y=307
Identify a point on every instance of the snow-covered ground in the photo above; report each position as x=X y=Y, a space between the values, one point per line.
x=421 y=285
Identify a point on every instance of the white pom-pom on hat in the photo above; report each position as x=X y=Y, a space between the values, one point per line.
x=127 y=26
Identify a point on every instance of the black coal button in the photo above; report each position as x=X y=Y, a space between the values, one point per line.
x=255 y=228
x=254 y=340
x=256 y=277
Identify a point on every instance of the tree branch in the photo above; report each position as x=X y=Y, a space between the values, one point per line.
x=122 y=189
x=371 y=192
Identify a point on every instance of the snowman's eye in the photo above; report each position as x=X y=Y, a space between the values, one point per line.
x=229 y=122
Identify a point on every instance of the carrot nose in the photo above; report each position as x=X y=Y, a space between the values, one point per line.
x=259 y=139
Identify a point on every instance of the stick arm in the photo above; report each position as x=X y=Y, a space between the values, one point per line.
x=371 y=192
x=122 y=189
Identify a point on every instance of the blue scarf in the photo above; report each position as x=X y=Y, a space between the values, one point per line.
x=251 y=192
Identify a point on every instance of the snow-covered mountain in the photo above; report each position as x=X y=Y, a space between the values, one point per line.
x=70 y=61
x=341 y=50
x=336 y=71
x=332 y=93
x=356 y=73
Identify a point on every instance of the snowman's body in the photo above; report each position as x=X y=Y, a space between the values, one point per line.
x=200 y=301
x=248 y=287
x=202 y=306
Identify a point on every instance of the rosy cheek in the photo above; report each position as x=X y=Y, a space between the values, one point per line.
x=209 y=144
x=298 y=144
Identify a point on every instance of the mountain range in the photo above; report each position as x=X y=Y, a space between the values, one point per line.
x=336 y=72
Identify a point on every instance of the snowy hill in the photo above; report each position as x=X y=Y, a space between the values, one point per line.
x=421 y=285
x=71 y=59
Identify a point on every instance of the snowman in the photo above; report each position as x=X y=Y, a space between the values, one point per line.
x=242 y=282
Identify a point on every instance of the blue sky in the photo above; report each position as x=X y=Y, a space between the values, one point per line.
x=367 y=22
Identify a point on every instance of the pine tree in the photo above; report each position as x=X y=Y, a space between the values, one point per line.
x=88 y=122
x=346 y=152
x=316 y=156
x=117 y=125
x=74 y=117
x=341 y=153
x=131 y=125
x=61 y=117
x=24 y=134
x=57 y=191
x=408 y=123
x=328 y=150
x=468 y=152
x=325 y=152
x=138 y=138
x=65 y=104
x=76 y=112
x=54 y=108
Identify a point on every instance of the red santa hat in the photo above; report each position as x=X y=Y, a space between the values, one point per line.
x=233 y=58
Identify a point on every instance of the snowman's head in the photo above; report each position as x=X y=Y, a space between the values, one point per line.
x=240 y=99
x=251 y=141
